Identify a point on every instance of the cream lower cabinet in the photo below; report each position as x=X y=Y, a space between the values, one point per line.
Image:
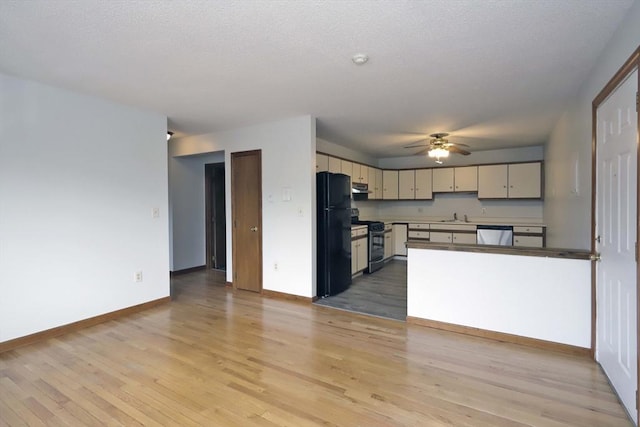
x=453 y=233
x=528 y=236
x=388 y=240
x=359 y=257
x=400 y=239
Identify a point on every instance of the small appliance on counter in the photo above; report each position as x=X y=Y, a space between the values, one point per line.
x=375 y=249
x=333 y=192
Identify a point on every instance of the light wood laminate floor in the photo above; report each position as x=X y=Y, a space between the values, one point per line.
x=383 y=293
x=215 y=357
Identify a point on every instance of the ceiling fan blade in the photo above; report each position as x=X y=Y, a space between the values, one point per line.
x=425 y=151
x=454 y=149
x=416 y=146
x=459 y=144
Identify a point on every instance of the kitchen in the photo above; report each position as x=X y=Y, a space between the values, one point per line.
x=422 y=203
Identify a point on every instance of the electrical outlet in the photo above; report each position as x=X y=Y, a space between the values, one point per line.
x=275 y=266
x=155 y=213
x=420 y=210
x=137 y=276
x=484 y=211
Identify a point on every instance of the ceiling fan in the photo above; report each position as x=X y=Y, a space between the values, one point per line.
x=439 y=147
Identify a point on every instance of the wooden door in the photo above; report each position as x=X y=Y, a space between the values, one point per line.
x=246 y=206
x=616 y=231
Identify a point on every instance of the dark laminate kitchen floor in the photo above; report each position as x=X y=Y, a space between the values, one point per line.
x=383 y=293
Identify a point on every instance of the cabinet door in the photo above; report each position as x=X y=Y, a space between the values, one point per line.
x=335 y=165
x=400 y=239
x=363 y=260
x=465 y=238
x=388 y=244
x=525 y=181
x=354 y=257
x=390 y=185
x=466 y=178
x=373 y=183
x=440 y=237
x=322 y=162
x=363 y=173
x=406 y=182
x=346 y=167
x=443 y=180
x=424 y=180
x=527 y=241
x=492 y=182
x=379 y=186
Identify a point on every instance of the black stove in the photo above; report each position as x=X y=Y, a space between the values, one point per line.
x=371 y=225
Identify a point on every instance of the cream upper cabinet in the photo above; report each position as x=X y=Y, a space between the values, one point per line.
x=372 y=182
x=525 y=180
x=335 y=165
x=513 y=181
x=360 y=173
x=492 y=181
x=443 y=180
x=466 y=178
x=390 y=185
x=377 y=191
x=322 y=162
x=346 y=167
x=406 y=184
x=423 y=185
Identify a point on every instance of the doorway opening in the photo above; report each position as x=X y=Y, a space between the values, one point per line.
x=215 y=218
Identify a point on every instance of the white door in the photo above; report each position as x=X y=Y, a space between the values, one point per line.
x=616 y=217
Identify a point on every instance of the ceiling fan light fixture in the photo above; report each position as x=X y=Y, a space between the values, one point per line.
x=438 y=153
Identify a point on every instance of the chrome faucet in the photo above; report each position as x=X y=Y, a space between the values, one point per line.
x=465 y=218
x=455 y=216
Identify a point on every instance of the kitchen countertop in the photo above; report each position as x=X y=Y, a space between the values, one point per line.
x=504 y=250
x=527 y=222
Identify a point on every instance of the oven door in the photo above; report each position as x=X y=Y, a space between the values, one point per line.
x=376 y=251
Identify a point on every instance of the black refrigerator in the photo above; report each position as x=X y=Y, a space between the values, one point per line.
x=334 y=233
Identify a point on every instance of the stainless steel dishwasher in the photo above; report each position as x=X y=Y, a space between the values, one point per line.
x=500 y=235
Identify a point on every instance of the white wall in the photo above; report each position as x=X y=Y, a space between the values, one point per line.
x=79 y=177
x=536 y=297
x=288 y=227
x=187 y=208
x=444 y=205
x=567 y=210
x=327 y=147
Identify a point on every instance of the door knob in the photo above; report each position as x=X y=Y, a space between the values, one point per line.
x=594 y=257
x=254 y=229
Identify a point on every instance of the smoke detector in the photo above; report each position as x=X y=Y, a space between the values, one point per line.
x=360 y=58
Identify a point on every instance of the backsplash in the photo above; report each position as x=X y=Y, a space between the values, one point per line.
x=444 y=205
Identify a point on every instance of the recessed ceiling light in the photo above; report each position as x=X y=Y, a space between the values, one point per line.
x=360 y=58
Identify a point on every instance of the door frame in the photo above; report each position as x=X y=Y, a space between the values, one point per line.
x=631 y=64
x=233 y=217
x=209 y=203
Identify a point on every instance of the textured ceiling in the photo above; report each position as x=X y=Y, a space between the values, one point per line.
x=492 y=73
